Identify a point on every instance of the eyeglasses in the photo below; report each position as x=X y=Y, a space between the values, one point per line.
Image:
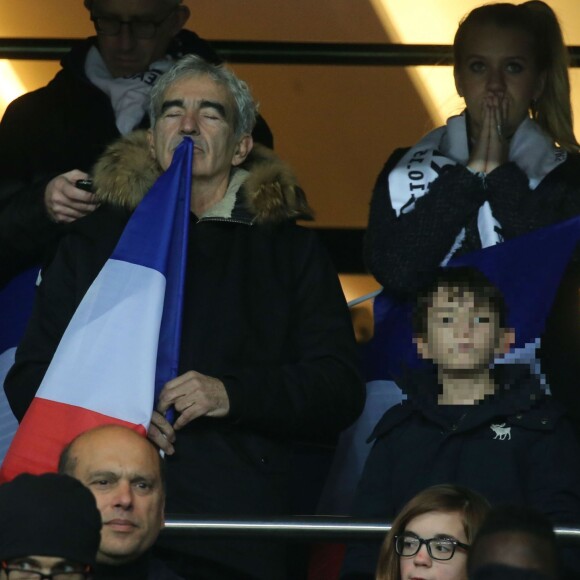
x=25 y=571
x=144 y=29
x=438 y=548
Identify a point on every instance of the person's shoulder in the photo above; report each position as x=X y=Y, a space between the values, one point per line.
x=158 y=570
x=392 y=418
x=568 y=170
x=271 y=192
x=106 y=222
x=388 y=166
x=394 y=158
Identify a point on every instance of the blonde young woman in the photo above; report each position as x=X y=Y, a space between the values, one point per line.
x=507 y=165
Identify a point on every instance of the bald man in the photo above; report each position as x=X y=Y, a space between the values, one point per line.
x=124 y=471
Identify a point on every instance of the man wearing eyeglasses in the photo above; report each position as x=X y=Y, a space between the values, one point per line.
x=49 y=529
x=50 y=138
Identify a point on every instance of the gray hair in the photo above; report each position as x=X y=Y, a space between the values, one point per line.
x=246 y=109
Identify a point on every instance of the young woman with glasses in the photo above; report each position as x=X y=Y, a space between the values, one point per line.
x=431 y=535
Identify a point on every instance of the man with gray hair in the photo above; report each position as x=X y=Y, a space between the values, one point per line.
x=268 y=358
x=100 y=93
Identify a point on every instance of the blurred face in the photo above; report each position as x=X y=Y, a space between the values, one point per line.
x=462 y=334
x=125 y=53
x=421 y=566
x=202 y=109
x=122 y=470
x=19 y=567
x=498 y=61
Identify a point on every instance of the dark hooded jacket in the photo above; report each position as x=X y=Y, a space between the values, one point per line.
x=65 y=125
x=264 y=313
x=144 y=568
x=516 y=447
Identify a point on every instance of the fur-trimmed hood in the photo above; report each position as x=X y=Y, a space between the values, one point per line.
x=264 y=188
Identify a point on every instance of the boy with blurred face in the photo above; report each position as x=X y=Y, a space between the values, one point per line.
x=468 y=419
x=461 y=329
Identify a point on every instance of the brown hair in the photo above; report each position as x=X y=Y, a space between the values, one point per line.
x=553 y=109
x=439 y=498
x=459 y=281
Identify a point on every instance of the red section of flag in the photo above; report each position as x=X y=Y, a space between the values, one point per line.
x=46 y=428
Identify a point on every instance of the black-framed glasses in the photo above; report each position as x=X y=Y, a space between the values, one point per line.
x=26 y=571
x=440 y=548
x=145 y=29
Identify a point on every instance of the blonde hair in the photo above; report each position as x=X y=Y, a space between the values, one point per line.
x=553 y=109
x=440 y=498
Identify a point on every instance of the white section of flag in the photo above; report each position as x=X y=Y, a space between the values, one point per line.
x=120 y=315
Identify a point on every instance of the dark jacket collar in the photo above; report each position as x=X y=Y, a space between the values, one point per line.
x=519 y=396
x=144 y=568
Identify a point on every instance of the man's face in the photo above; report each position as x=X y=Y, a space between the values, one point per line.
x=200 y=108
x=122 y=470
x=462 y=334
x=45 y=564
x=124 y=53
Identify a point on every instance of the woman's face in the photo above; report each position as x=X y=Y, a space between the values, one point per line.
x=498 y=64
x=421 y=566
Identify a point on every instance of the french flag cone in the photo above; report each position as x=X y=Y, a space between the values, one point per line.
x=122 y=344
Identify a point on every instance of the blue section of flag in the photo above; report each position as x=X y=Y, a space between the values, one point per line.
x=165 y=209
x=158 y=212
x=170 y=332
x=16 y=300
x=527 y=270
x=15 y=306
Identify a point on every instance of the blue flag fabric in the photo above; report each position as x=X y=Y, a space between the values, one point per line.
x=16 y=300
x=171 y=321
x=527 y=270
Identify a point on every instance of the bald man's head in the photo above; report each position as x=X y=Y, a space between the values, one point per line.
x=125 y=473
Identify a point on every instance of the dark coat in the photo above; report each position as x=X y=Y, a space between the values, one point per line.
x=516 y=447
x=65 y=125
x=145 y=568
x=264 y=313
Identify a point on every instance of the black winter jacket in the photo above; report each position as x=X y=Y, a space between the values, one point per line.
x=514 y=448
x=65 y=125
x=264 y=313
x=144 y=568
